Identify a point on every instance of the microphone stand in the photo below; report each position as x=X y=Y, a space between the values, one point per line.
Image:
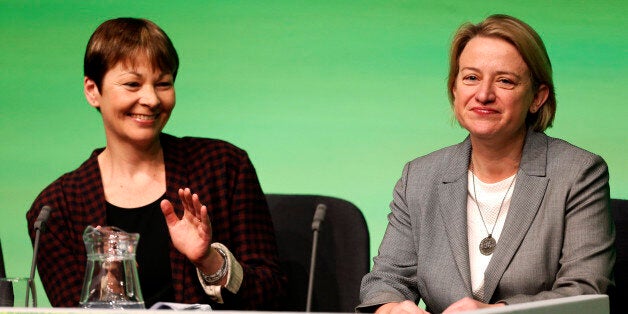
x=319 y=216
x=30 y=286
x=39 y=226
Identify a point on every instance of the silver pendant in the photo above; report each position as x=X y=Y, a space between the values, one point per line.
x=487 y=246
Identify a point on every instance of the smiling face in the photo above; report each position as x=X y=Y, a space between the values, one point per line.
x=493 y=90
x=135 y=101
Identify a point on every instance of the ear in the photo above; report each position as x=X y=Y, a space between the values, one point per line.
x=539 y=98
x=92 y=94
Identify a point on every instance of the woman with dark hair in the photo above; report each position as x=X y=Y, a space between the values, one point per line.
x=206 y=235
x=509 y=215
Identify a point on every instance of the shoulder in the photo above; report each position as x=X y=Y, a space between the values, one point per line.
x=82 y=180
x=442 y=160
x=560 y=160
x=562 y=154
x=561 y=147
x=203 y=153
x=438 y=155
x=86 y=173
x=201 y=145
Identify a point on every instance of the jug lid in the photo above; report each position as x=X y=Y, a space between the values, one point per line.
x=109 y=240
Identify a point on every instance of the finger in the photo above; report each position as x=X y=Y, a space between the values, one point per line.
x=197 y=206
x=206 y=222
x=168 y=210
x=181 y=193
x=186 y=200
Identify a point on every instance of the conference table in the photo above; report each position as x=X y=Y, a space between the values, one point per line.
x=590 y=304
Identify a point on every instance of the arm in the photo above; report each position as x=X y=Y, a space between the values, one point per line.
x=587 y=255
x=253 y=244
x=225 y=181
x=393 y=277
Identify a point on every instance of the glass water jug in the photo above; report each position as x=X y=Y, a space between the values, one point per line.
x=111 y=279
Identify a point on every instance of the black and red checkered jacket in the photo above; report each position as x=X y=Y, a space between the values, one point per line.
x=225 y=180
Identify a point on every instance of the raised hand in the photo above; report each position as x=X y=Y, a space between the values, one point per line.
x=192 y=234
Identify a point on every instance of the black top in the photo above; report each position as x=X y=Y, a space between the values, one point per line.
x=152 y=250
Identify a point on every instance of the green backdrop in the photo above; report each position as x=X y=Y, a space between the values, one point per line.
x=328 y=97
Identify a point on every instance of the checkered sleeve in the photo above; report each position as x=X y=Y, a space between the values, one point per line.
x=224 y=178
x=253 y=244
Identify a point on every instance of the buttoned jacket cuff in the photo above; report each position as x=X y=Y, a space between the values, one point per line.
x=235 y=274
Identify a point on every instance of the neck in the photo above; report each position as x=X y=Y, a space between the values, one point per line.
x=495 y=160
x=127 y=158
x=132 y=176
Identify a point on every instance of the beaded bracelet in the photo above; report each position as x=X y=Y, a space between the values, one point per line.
x=215 y=277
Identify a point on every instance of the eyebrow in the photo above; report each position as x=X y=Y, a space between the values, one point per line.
x=161 y=76
x=498 y=72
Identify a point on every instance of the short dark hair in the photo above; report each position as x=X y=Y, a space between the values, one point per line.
x=124 y=39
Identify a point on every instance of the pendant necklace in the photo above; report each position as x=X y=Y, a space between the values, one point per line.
x=488 y=244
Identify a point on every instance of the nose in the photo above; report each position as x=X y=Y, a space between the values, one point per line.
x=149 y=96
x=485 y=93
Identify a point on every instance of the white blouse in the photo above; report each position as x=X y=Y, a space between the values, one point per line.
x=490 y=196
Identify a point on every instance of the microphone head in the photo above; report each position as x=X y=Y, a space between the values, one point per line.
x=319 y=216
x=43 y=216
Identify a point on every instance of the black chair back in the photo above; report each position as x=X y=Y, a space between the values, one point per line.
x=2 y=270
x=6 y=289
x=343 y=255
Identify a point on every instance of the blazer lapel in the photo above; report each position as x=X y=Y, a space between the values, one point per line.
x=526 y=200
x=452 y=195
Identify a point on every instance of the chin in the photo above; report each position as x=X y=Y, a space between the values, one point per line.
x=487 y=132
x=144 y=136
x=481 y=129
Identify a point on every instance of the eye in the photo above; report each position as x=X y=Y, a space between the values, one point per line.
x=470 y=79
x=132 y=84
x=164 y=84
x=506 y=83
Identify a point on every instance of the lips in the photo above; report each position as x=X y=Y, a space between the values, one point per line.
x=484 y=110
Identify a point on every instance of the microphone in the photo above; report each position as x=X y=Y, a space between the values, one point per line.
x=39 y=226
x=44 y=214
x=319 y=216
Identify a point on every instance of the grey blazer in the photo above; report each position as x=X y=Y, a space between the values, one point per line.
x=557 y=239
